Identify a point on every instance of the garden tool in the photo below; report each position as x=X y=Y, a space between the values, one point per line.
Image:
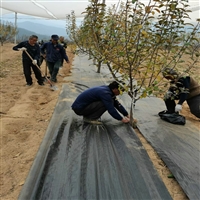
x=53 y=87
x=46 y=68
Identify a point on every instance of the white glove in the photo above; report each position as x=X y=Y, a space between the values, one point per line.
x=34 y=62
x=178 y=108
x=125 y=120
x=22 y=49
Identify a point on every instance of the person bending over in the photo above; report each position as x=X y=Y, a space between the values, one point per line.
x=93 y=102
x=182 y=88
x=33 y=49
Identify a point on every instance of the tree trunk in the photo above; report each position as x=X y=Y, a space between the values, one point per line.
x=99 y=66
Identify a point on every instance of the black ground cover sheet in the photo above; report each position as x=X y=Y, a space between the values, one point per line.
x=93 y=162
x=84 y=161
x=177 y=145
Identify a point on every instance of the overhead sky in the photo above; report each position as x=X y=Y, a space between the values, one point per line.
x=58 y=9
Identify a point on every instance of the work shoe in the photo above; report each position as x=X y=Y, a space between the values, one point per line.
x=54 y=80
x=29 y=84
x=41 y=84
x=92 y=121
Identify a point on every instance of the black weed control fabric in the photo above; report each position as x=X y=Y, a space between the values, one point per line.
x=178 y=146
x=94 y=162
x=84 y=161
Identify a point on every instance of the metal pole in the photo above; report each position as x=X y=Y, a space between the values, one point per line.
x=15 y=27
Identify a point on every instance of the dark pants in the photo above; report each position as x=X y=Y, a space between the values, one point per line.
x=53 y=69
x=27 y=65
x=92 y=111
x=193 y=103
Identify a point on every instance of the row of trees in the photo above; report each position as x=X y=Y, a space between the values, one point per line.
x=137 y=41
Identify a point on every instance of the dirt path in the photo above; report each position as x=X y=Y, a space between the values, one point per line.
x=25 y=114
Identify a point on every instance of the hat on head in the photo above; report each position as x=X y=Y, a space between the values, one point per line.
x=54 y=37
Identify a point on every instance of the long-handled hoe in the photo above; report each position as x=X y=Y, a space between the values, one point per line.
x=53 y=87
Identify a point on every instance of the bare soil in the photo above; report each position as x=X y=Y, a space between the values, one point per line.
x=25 y=114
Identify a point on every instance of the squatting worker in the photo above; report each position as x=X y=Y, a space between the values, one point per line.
x=54 y=53
x=33 y=49
x=93 y=102
x=182 y=88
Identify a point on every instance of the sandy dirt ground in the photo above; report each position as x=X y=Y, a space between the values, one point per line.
x=24 y=116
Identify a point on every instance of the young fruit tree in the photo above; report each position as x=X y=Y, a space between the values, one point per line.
x=88 y=36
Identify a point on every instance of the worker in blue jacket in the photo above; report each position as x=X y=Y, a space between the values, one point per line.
x=93 y=102
x=54 y=53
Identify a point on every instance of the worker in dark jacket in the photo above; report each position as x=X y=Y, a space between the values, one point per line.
x=33 y=49
x=54 y=53
x=62 y=42
x=181 y=89
x=93 y=102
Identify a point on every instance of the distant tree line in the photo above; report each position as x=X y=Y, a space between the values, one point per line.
x=7 y=32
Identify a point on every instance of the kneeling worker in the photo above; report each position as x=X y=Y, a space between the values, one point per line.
x=182 y=88
x=93 y=102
